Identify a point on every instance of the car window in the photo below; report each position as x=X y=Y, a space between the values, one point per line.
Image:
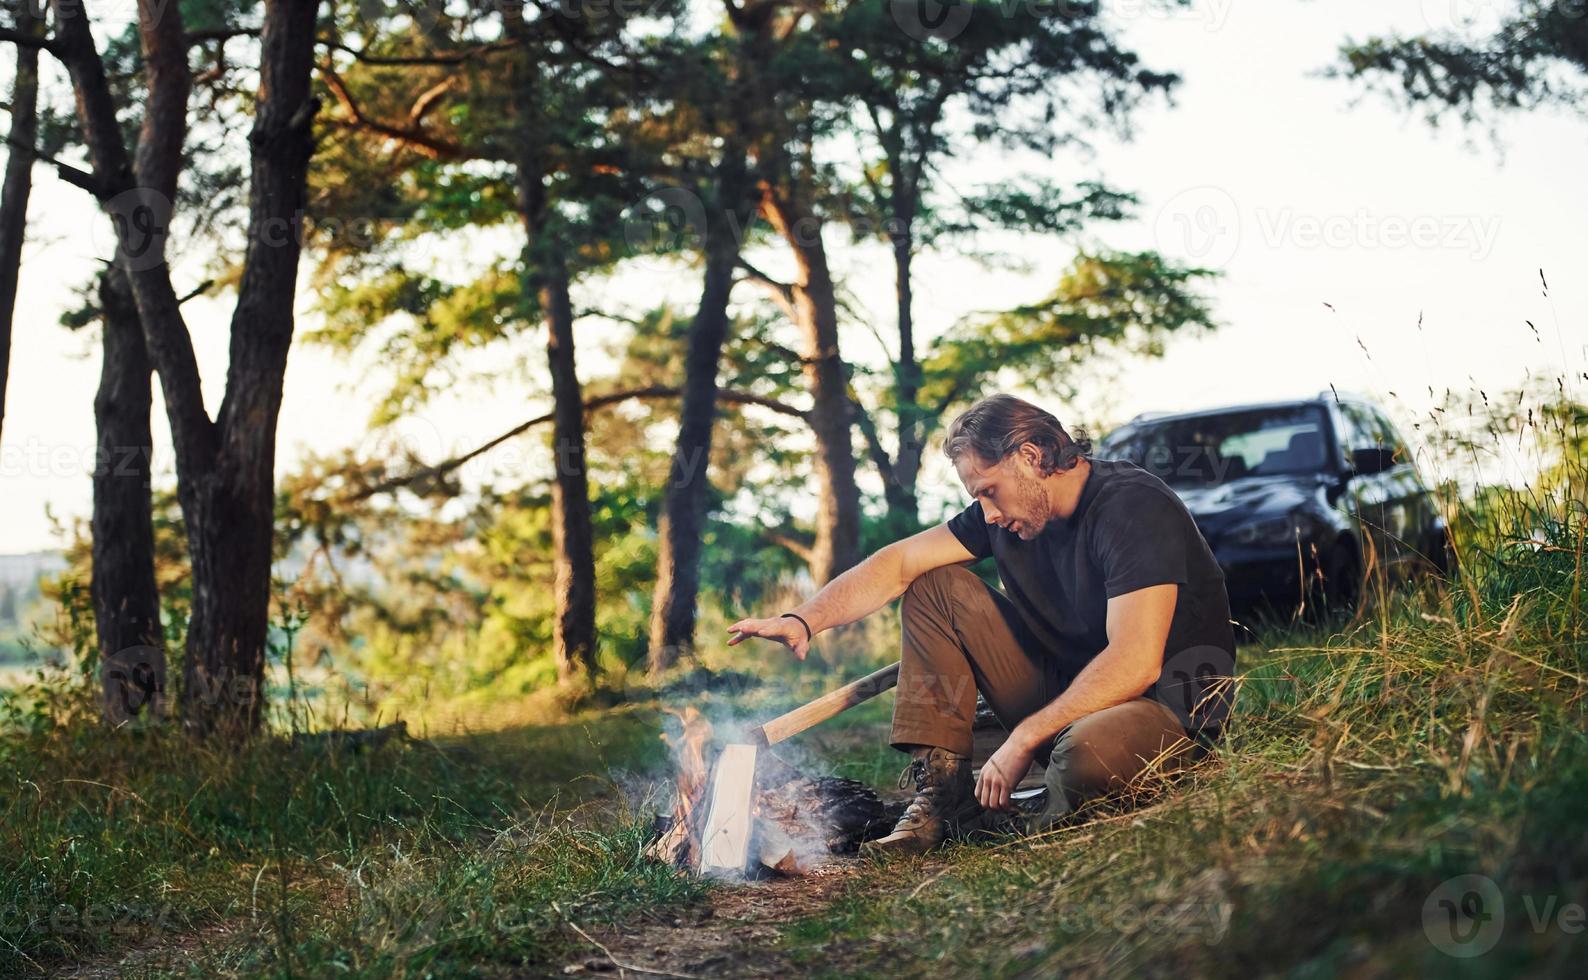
x=1391 y=439
x=1218 y=448
x=1362 y=432
x=1260 y=450
x=1368 y=428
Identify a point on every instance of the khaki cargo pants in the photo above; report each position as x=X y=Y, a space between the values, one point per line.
x=961 y=636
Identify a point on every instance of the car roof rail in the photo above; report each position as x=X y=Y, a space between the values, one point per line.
x=1144 y=416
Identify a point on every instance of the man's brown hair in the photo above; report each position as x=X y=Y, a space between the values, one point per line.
x=996 y=426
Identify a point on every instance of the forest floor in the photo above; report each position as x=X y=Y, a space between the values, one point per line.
x=1417 y=754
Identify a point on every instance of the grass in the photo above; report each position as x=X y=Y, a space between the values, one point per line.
x=1369 y=766
x=1373 y=769
x=1351 y=790
x=428 y=857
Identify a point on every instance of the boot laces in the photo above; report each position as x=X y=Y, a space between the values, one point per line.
x=916 y=772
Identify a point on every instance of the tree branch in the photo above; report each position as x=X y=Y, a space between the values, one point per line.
x=23 y=39
x=590 y=404
x=360 y=54
x=222 y=34
x=76 y=176
x=868 y=428
x=170 y=347
x=411 y=136
x=427 y=100
x=434 y=58
x=195 y=292
x=781 y=291
x=954 y=391
x=787 y=353
x=803 y=550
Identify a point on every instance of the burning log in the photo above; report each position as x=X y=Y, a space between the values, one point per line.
x=801 y=820
x=750 y=812
x=681 y=832
x=792 y=823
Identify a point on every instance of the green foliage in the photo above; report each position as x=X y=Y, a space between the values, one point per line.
x=1536 y=56
x=70 y=628
x=445 y=319
x=431 y=116
x=1035 y=77
x=1104 y=303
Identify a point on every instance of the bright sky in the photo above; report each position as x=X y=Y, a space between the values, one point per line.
x=1305 y=197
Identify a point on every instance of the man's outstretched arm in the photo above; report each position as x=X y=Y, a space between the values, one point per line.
x=861 y=590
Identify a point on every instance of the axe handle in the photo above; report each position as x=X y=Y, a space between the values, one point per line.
x=826 y=706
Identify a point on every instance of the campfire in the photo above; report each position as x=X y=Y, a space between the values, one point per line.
x=744 y=812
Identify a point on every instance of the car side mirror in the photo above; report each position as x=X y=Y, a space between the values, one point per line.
x=1366 y=462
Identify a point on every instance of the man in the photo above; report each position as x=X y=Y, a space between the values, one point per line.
x=1108 y=655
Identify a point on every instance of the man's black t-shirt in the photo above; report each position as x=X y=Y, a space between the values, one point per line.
x=1129 y=531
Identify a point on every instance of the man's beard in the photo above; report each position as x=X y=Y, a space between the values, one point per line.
x=1034 y=501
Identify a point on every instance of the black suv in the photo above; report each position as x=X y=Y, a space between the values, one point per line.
x=1295 y=498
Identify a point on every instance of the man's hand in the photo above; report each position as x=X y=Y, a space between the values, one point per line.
x=786 y=631
x=1003 y=772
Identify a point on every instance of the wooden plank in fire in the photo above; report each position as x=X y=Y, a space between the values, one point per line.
x=725 y=844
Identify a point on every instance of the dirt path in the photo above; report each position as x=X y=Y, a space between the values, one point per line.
x=733 y=935
x=163 y=951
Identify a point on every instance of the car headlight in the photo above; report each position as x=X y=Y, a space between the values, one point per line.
x=1276 y=532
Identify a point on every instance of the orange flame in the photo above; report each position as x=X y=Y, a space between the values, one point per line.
x=689 y=752
x=689 y=749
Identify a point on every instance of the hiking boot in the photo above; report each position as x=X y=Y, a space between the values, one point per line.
x=942 y=798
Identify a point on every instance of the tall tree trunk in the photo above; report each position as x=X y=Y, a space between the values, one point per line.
x=229 y=548
x=815 y=305
x=546 y=277
x=126 y=600
x=684 y=505
x=18 y=182
x=779 y=135
x=225 y=479
x=573 y=537
x=903 y=504
x=229 y=504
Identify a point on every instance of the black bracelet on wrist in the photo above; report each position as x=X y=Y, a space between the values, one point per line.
x=809 y=636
